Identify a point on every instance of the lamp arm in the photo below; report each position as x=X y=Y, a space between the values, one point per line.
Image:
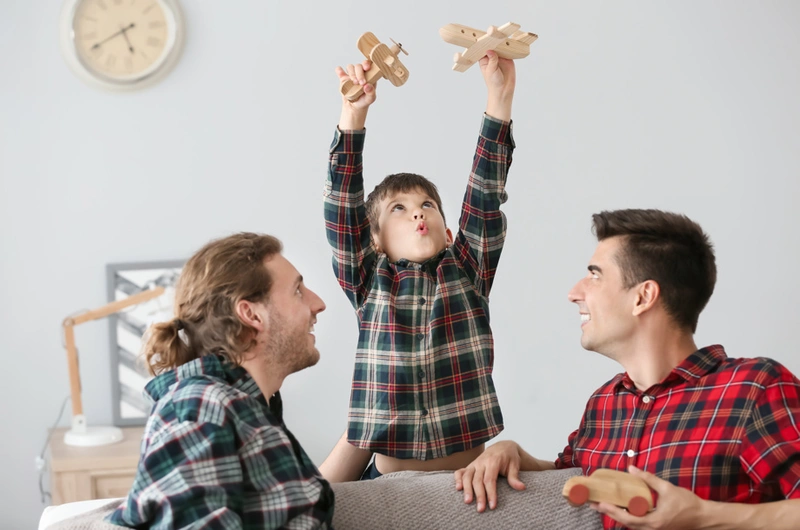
x=94 y=314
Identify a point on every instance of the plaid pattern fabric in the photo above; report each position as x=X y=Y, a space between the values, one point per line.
x=216 y=455
x=422 y=384
x=727 y=429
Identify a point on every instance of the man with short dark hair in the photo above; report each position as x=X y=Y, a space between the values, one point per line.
x=717 y=438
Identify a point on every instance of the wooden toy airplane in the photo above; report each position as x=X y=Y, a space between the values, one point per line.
x=507 y=41
x=384 y=64
x=615 y=487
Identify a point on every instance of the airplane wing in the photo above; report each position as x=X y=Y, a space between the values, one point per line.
x=516 y=44
x=366 y=42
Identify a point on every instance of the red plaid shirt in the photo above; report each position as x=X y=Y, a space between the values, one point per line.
x=727 y=429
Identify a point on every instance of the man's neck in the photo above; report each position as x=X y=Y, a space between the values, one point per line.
x=268 y=378
x=652 y=358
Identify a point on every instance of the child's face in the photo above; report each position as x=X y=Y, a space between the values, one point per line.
x=411 y=227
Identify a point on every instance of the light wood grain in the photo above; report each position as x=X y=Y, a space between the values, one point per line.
x=85 y=473
x=385 y=64
x=507 y=41
x=615 y=487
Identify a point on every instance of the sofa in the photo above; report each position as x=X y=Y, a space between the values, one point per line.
x=404 y=500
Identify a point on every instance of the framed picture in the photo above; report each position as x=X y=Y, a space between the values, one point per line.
x=128 y=372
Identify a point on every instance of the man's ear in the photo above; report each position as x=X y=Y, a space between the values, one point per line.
x=449 y=235
x=647 y=294
x=249 y=315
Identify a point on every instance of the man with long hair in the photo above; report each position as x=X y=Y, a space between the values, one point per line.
x=216 y=453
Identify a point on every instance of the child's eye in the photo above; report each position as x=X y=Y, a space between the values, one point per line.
x=397 y=207
x=427 y=204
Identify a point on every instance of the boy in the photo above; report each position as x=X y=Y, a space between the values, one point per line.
x=422 y=395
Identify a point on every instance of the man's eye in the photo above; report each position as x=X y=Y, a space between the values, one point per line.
x=299 y=292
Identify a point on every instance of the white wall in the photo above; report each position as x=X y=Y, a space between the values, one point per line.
x=686 y=106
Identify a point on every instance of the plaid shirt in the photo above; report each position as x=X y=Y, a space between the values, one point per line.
x=422 y=385
x=216 y=455
x=726 y=429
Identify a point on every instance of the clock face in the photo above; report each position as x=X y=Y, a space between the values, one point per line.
x=121 y=43
x=120 y=38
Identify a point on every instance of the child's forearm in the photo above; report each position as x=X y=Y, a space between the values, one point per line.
x=352 y=119
x=499 y=106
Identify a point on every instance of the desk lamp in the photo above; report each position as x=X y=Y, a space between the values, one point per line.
x=81 y=434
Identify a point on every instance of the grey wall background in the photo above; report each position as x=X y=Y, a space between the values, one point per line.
x=686 y=106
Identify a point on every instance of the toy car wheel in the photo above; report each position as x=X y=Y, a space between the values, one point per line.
x=578 y=495
x=638 y=506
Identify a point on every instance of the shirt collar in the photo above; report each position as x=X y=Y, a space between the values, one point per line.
x=208 y=366
x=700 y=363
x=430 y=265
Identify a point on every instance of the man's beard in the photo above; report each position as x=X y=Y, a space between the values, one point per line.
x=290 y=348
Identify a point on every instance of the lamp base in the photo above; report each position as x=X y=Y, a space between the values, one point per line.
x=83 y=436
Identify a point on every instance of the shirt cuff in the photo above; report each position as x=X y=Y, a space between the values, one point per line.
x=348 y=141
x=498 y=131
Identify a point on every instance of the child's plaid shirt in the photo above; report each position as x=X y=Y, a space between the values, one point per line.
x=422 y=385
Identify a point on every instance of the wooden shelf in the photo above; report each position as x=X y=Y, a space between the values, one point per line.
x=85 y=473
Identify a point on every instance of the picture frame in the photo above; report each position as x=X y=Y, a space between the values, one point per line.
x=129 y=375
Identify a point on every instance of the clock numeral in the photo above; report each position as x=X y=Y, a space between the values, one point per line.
x=90 y=19
x=90 y=36
x=117 y=2
x=141 y=52
x=156 y=24
x=148 y=8
x=102 y=4
x=128 y=63
x=110 y=60
x=152 y=41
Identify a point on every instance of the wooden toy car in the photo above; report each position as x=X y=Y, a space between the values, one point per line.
x=614 y=487
x=384 y=64
x=507 y=41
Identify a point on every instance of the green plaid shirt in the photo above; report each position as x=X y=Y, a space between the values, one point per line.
x=216 y=455
x=422 y=384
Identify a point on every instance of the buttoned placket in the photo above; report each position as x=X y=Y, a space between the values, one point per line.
x=642 y=405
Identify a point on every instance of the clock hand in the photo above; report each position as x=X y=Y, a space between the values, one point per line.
x=123 y=30
x=125 y=34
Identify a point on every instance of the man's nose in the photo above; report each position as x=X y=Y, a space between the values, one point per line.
x=576 y=293
x=317 y=305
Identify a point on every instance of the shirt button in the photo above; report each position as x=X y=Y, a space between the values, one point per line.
x=422 y=301
x=631 y=453
x=421 y=374
x=646 y=399
x=420 y=336
x=424 y=412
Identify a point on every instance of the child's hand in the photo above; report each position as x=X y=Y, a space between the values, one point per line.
x=354 y=113
x=500 y=76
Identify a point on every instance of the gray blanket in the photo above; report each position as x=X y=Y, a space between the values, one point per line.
x=429 y=500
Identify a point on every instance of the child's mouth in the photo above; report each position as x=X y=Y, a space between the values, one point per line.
x=422 y=229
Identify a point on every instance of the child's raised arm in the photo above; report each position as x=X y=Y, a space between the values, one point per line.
x=500 y=76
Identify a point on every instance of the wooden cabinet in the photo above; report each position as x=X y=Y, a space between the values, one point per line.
x=85 y=473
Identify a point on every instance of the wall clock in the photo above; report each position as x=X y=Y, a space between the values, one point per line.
x=121 y=44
